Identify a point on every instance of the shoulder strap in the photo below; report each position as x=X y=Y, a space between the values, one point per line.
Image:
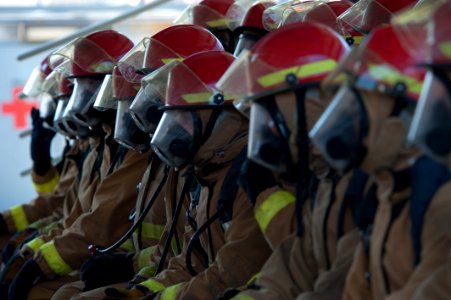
x=427 y=177
x=229 y=188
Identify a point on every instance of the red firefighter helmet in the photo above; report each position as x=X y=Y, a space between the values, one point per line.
x=283 y=58
x=173 y=43
x=193 y=81
x=365 y=15
x=382 y=64
x=211 y=14
x=94 y=54
x=425 y=31
x=254 y=16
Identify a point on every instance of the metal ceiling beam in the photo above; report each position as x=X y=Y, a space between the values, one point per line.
x=88 y=29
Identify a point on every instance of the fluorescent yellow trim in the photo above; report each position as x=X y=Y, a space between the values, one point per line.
x=358 y=40
x=391 y=76
x=445 y=48
x=144 y=257
x=54 y=259
x=147 y=272
x=35 y=244
x=152 y=231
x=242 y=297
x=171 y=292
x=197 y=97
x=19 y=217
x=47 y=187
x=218 y=23
x=128 y=246
x=271 y=207
x=169 y=60
x=153 y=285
x=300 y=71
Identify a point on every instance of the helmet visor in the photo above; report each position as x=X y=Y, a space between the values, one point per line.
x=424 y=31
x=145 y=107
x=47 y=108
x=32 y=87
x=204 y=16
x=341 y=129
x=365 y=15
x=104 y=99
x=431 y=126
x=86 y=55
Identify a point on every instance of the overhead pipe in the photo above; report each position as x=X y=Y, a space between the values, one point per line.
x=88 y=29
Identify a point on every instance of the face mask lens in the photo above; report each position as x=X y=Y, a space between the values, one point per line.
x=268 y=140
x=340 y=131
x=82 y=101
x=173 y=140
x=126 y=132
x=431 y=126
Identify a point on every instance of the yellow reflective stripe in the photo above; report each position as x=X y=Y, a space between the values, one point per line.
x=169 y=60
x=300 y=71
x=128 y=246
x=54 y=259
x=392 y=76
x=271 y=206
x=153 y=285
x=47 y=187
x=174 y=245
x=152 y=231
x=253 y=279
x=144 y=256
x=218 y=23
x=445 y=48
x=358 y=39
x=35 y=244
x=147 y=272
x=171 y=292
x=197 y=97
x=19 y=217
x=242 y=297
x=203 y=97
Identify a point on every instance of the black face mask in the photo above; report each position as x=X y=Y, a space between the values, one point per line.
x=181 y=148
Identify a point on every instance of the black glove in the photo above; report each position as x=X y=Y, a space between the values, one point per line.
x=41 y=138
x=105 y=269
x=3 y=227
x=28 y=276
x=15 y=241
x=11 y=269
x=254 y=179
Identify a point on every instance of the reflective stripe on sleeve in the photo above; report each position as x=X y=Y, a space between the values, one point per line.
x=54 y=259
x=35 y=244
x=171 y=292
x=271 y=207
x=152 y=231
x=301 y=71
x=19 y=217
x=144 y=255
x=153 y=285
x=128 y=246
x=48 y=186
x=242 y=297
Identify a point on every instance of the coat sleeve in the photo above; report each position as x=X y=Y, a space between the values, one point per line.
x=435 y=245
x=330 y=284
x=290 y=269
x=21 y=216
x=241 y=257
x=274 y=212
x=103 y=223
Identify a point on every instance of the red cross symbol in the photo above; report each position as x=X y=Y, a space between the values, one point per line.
x=19 y=109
